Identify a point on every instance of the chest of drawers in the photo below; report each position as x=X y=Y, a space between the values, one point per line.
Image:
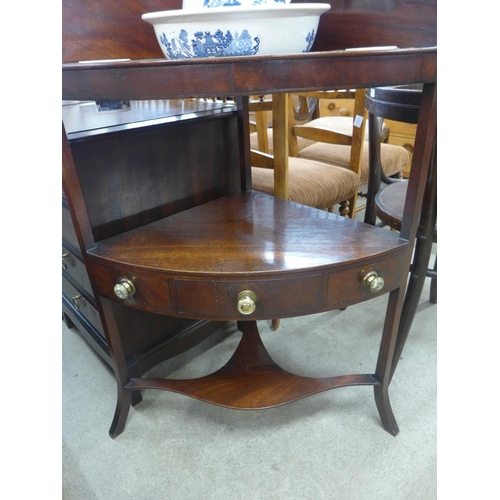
x=91 y=132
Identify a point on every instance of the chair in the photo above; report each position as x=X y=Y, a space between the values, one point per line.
x=309 y=182
x=386 y=199
x=340 y=140
x=260 y=109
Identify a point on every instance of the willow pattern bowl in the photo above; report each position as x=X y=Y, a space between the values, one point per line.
x=226 y=31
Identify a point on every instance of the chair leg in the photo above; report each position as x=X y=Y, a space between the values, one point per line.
x=344 y=208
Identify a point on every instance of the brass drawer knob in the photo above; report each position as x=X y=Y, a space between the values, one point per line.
x=124 y=289
x=64 y=263
x=75 y=301
x=373 y=282
x=247 y=302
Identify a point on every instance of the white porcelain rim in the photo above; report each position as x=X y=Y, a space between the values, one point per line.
x=231 y=13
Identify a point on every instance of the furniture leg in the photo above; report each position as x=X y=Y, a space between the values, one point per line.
x=384 y=362
x=421 y=258
x=433 y=295
x=275 y=324
x=136 y=397
x=123 y=403
x=344 y=208
x=68 y=321
x=121 y=371
x=375 y=170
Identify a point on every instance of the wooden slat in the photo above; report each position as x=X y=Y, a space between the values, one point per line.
x=280 y=145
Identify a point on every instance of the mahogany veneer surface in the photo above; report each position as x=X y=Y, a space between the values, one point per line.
x=297 y=259
x=103 y=29
x=248 y=233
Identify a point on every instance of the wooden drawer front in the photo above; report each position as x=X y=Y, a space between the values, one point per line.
x=336 y=107
x=77 y=270
x=151 y=293
x=68 y=230
x=346 y=288
x=275 y=298
x=82 y=305
x=95 y=338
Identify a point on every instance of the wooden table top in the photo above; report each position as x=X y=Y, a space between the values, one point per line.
x=247 y=234
x=257 y=75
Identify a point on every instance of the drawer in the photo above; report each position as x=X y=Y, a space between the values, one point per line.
x=152 y=290
x=83 y=306
x=336 y=107
x=76 y=269
x=218 y=299
x=68 y=230
x=275 y=298
x=87 y=331
x=346 y=287
x=213 y=299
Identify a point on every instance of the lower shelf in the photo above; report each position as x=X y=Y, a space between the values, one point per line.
x=251 y=380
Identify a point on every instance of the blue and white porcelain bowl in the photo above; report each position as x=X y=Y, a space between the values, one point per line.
x=226 y=31
x=214 y=4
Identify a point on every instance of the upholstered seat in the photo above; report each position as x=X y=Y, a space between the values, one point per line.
x=311 y=183
x=394 y=158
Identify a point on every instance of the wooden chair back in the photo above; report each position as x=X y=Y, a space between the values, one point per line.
x=278 y=104
x=355 y=138
x=260 y=108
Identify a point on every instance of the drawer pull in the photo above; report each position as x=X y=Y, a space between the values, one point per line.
x=75 y=301
x=64 y=263
x=247 y=302
x=373 y=282
x=124 y=289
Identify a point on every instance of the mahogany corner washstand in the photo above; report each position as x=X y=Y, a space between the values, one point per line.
x=211 y=248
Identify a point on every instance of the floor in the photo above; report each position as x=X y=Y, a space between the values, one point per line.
x=328 y=446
